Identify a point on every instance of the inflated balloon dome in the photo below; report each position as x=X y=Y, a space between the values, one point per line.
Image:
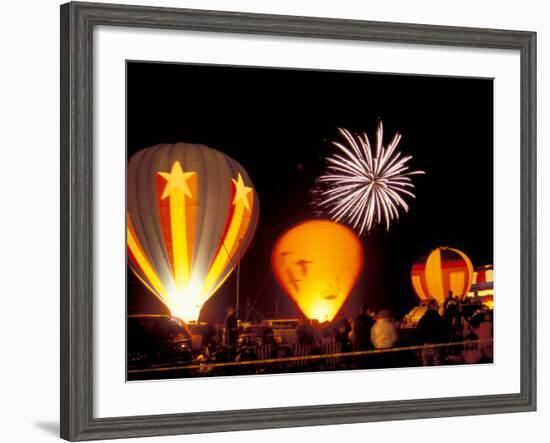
x=191 y=213
x=317 y=263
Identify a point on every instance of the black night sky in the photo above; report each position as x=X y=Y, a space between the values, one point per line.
x=279 y=125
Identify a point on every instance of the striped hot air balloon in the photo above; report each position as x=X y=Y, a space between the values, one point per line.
x=191 y=213
x=442 y=270
x=483 y=278
x=483 y=284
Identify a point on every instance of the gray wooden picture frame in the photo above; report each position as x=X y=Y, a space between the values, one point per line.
x=77 y=216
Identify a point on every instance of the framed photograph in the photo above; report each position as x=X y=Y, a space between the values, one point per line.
x=274 y=221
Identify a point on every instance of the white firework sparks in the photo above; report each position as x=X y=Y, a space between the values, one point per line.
x=363 y=186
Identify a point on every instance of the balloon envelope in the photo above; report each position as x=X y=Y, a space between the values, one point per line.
x=318 y=263
x=191 y=213
x=483 y=284
x=442 y=270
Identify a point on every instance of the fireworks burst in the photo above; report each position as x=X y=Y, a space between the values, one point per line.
x=363 y=186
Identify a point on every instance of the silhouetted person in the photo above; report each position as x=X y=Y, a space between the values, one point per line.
x=361 y=329
x=231 y=329
x=382 y=333
x=471 y=354
x=383 y=336
x=269 y=336
x=432 y=329
x=209 y=335
x=450 y=310
x=341 y=334
x=447 y=299
x=304 y=332
x=485 y=332
x=482 y=326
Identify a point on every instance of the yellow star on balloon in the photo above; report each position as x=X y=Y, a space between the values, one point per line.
x=176 y=179
x=241 y=191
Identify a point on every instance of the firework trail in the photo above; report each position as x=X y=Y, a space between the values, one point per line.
x=364 y=186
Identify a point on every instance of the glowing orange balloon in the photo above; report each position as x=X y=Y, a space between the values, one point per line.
x=317 y=263
x=442 y=270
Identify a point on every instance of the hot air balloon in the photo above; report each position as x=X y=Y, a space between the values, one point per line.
x=317 y=263
x=483 y=284
x=442 y=270
x=191 y=213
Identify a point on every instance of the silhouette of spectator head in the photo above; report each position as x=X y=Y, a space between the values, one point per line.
x=432 y=304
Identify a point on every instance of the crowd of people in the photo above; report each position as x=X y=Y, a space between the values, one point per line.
x=457 y=331
x=455 y=321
